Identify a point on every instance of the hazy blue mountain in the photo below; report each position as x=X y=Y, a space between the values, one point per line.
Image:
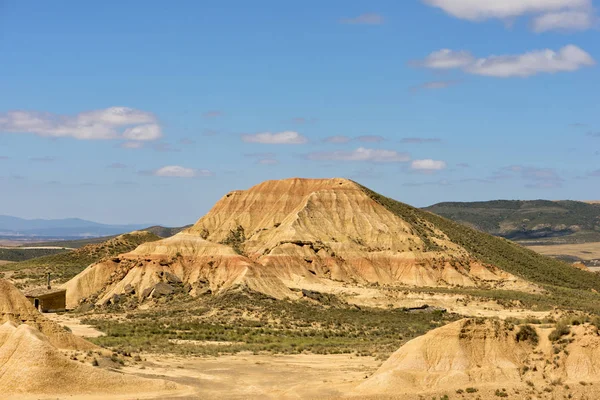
x=60 y=228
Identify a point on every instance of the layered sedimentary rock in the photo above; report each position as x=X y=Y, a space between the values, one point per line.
x=291 y=234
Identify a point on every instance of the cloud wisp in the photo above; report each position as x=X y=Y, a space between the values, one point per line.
x=114 y=123
x=177 y=171
x=419 y=140
x=287 y=137
x=361 y=154
x=365 y=19
x=427 y=165
x=535 y=178
x=433 y=85
x=568 y=59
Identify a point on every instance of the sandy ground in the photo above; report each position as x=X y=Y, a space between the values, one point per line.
x=3 y=262
x=584 y=251
x=262 y=376
x=77 y=328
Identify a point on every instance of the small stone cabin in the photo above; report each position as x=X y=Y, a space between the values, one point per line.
x=47 y=299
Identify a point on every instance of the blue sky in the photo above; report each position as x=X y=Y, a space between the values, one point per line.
x=147 y=111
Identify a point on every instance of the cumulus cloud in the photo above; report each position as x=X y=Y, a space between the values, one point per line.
x=88 y=125
x=427 y=165
x=143 y=133
x=547 y=14
x=365 y=19
x=568 y=58
x=177 y=171
x=361 y=154
x=287 y=137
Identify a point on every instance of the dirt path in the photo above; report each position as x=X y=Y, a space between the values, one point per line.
x=77 y=328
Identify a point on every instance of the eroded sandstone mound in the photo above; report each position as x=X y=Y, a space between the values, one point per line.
x=30 y=364
x=293 y=233
x=463 y=353
x=492 y=353
x=16 y=308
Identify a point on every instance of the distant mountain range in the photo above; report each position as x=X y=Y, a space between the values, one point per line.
x=14 y=227
x=536 y=220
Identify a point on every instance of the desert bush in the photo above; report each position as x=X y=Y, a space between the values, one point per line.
x=527 y=333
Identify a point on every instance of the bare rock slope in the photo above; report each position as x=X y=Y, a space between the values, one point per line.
x=291 y=234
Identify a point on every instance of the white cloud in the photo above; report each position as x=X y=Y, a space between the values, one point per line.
x=143 y=133
x=479 y=10
x=178 y=171
x=116 y=116
x=365 y=19
x=361 y=154
x=547 y=14
x=427 y=165
x=88 y=125
x=287 y=137
x=568 y=58
x=573 y=20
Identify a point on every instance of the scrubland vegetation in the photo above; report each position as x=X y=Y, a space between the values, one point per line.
x=249 y=321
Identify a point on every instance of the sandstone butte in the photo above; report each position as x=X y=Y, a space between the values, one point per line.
x=281 y=236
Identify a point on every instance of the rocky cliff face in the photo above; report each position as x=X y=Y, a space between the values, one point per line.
x=293 y=233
